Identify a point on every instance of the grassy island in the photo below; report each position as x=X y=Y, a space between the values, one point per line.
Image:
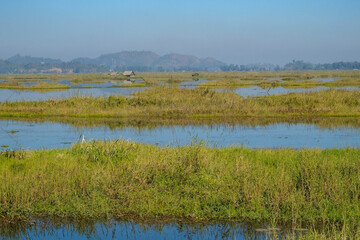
x=167 y=102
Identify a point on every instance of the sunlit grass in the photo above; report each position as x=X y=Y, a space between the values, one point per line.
x=165 y=102
x=125 y=179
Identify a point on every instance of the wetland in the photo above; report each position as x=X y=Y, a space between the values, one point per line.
x=242 y=155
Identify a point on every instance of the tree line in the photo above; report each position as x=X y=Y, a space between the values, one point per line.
x=295 y=65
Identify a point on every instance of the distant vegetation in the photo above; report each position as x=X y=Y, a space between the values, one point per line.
x=146 y=61
x=169 y=102
x=293 y=66
x=143 y=61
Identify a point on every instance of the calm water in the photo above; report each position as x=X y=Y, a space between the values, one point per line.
x=37 y=135
x=130 y=230
x=325 y=79
x=255 y=91
x=192 y=84
x=276 y=79
x=80 y=85
x=12 y=95
x=105 y=84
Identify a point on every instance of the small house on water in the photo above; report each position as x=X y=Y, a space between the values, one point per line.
x=129 y=74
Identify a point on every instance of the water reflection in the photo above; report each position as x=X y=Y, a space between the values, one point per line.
x=37 y=135
x=11 y=95
x=67 y=82
x=255 y=91
x=111 y=229
x=95 y=85
x=325 y=79
x=192 y=84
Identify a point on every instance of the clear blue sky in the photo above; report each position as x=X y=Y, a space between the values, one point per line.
x=234 y=31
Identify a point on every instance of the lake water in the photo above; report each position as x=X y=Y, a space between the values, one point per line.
x=80 y=85
x=192 y=84
x=39 y=135
x=95 y=85
x=325 y=79
x=130 y=230
x=255 y=91
x=12 y=95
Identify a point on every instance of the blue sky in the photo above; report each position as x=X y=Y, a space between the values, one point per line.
x=240 y=32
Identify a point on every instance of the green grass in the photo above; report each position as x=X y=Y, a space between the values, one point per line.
x=74 y=78
x=285 y=75
x=16 y=84
x=150 y=123
x=136 y=181
x=164 y=102
x=196 y=183
x=216 y=79
x=37 y=86
x=234 y=83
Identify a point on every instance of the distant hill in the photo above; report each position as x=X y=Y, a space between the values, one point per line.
x=147 y=61
x=17 y=59
x=125 y=58
x=185 y=62
x=139 y=61
x=152 y=61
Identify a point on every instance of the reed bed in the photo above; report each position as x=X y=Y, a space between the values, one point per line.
x=74 y=78
x=265 y=84
x=150 y=123
x=165 y=102
x=38 y=86
x=287 y=79
x=285 y=75
x=135 y=181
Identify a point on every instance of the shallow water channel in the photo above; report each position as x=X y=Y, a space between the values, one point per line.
x=112 y=229
x=12 y=95
x=255 y=91
x=39 y=135
x=192 y=84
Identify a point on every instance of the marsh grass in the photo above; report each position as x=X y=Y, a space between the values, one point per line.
x=151 y=123
x=74 y=78
x=54 y=85
x=284 y=75
x=130 y=180
x=165 y=102
x=169 y=78
x=233 y=83
x=37 y=86
x=285 y=79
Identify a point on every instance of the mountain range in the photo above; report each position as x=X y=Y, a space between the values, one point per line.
x=127 y=60
x=147 y=61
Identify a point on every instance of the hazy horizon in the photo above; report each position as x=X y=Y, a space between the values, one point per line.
x=239 y=32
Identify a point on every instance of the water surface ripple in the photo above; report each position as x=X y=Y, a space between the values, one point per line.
x=38 y=135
